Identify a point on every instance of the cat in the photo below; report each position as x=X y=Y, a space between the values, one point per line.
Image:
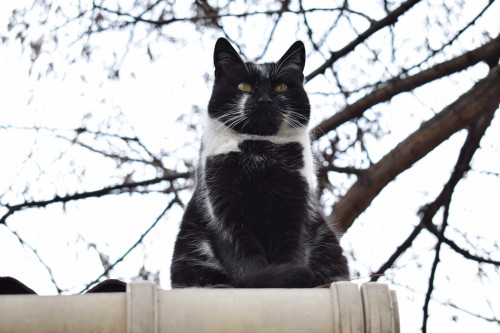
x=254 y=220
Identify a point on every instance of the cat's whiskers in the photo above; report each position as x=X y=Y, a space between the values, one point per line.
x=229 y=120
x=245 y=123
x=292 y=118
x=292 y=123
x=235 y=121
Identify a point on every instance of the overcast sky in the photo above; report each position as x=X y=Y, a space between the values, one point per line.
x=151 y=96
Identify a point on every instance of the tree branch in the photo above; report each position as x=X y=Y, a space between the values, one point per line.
x=120 y=188
x=139 y=241
x=37 y=255
x=470 y=146
x=401 y=84
x=489 y=319
x=428 y=212
x=435 y=263
x=483 y=96
x=389 y=19
x=399 y=251
x=466 y=254
x=454 y=38
x=211 y=16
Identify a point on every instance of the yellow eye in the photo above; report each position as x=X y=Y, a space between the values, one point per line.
x=245 y=87
x=280 y=88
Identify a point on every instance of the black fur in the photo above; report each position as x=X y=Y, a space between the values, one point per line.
x=253 y=220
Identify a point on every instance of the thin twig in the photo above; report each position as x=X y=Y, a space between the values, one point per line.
x=37 y=255
x=398 y=85
x=435 y=263
x=391 y=18
x=139 y=241
x=115 y=189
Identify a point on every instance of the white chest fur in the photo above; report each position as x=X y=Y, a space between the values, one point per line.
x=219 y=139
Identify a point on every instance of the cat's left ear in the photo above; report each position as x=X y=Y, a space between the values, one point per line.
x=294 y=58
x=225 y=55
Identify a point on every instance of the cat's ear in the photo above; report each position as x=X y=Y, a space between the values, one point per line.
x=294 y=58
x=225 y=55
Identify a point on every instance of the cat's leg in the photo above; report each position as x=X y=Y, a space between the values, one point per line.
x=249 y=263
x=240 y=252
x=194 y=263
x=187 y=273
x=326 y=259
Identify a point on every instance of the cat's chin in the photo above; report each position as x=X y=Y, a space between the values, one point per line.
x=261 y=126
x=259 y=131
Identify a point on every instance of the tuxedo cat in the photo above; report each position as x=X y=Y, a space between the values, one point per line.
x=254 y=220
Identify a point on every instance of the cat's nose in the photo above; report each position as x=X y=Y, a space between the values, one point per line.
x=264 y=99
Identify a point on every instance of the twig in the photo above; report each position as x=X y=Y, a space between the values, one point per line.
x=398 y=85
x=212 y=16
x=482 y=98
x=35 y=252
x=470 y=313
x=391 y=18
x=120 y=188
x=466 y=254
x=470 y=146
x=139 y=241
x=399 y=251
x=452 y=40
x=435 y=263
x=269 y=39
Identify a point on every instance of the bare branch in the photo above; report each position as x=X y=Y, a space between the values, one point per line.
x=470 y=146
x=436 y=261
x=139 y=241
x=211 y=15
x=483 y=96
x=391 y=18
x=346 y=170
x=407 y=243
x=37 y=255
x=428 y=212
x=466 y=254
x=489 y=319
x=116 y=189
x=454 y=38
x=401 y=84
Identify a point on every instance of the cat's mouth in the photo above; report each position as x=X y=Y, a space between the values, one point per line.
x=262 y=121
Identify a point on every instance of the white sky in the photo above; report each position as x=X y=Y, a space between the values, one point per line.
x=151 y=101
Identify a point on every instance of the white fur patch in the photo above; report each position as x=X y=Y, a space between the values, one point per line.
x=219 y=139
x=241 y=104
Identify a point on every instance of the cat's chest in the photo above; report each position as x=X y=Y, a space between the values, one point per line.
x=227 y=153
x=261 y=157
x=257 y=168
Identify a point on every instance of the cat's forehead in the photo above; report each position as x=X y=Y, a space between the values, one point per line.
x=262 y=71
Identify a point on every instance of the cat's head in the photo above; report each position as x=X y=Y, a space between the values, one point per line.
x=259 y=98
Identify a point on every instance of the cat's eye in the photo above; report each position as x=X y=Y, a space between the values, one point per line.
x=281 y=88
x=245 y=87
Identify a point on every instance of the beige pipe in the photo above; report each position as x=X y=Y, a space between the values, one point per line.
x=342 y=308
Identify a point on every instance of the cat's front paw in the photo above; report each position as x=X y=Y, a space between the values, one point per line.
x=217 y=286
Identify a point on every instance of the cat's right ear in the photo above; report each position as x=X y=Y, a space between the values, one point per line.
x=225 y=55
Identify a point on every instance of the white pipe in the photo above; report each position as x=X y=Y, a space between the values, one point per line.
x=51 y=314
x=341 y=308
